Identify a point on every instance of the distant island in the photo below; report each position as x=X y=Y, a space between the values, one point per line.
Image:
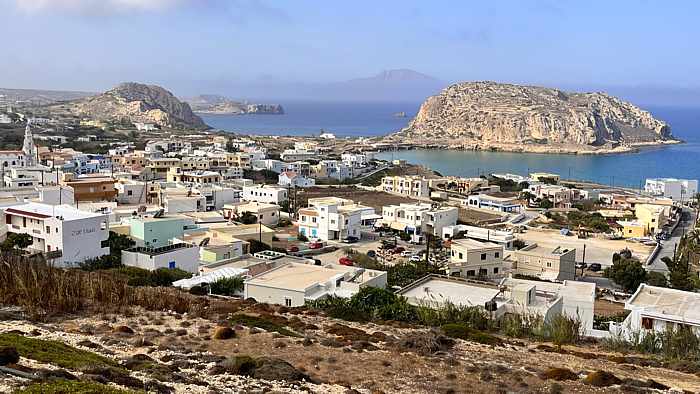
x=505 y=117
x=220 y=105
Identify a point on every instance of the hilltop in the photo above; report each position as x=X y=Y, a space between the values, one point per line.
x=134 y=102
x=490 y=115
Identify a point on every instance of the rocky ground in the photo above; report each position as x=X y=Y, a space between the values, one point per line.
x=259 y=348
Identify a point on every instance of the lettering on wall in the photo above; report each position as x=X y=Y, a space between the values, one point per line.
x=84 y=231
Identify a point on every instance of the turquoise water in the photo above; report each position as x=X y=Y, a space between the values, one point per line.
x=628 y=169
x=372 y=119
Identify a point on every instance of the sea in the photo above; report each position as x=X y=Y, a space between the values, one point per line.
x=356 y=119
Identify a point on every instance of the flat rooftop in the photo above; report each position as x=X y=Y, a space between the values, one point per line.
x=295 y=276
x=435 y=289
x=473 y=244
x=44 y=211
x=674 y=304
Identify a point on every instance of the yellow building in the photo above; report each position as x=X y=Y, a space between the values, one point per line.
x=244 y=232
x=632 y=229
x=652 y=217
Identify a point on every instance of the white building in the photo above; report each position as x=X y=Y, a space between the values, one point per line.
x=410 y=185
x=331 y=218
x=265 y=213
x=419 y=219
x=501 y=237
x=545 y=263
x=270 y=165
x=472 y=259
x=295 y=155
x=61 y=229
x=524 y=299
x=657 y=309
x=357 y=159
x=292 y=284
x=292 y=179
x=181 y=255
x=267 y=194
x=332 y=169
x=677 y=189
x=578 y=298
x=500 y=202
x=11 y=159
x=131 y=192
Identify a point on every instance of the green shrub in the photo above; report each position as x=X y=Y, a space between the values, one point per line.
x=522 y=326
x=54 y=352
x=462 y=331
x=69 y=387
x=563 y=330
x=227 y=286
x=160 y=277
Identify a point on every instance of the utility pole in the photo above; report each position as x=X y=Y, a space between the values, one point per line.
x=583 y=266
x=427 y=249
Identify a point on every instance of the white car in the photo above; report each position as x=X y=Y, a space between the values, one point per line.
x=406 y=253
x=415 y=259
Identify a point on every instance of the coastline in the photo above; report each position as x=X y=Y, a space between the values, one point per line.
x=554 y=149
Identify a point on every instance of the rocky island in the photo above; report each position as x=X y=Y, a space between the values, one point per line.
x=496 y=116
x=220 y=105
x=134 y=103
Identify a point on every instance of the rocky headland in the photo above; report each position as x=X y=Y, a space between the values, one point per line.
x=137 y=103
x=505 y=117
x=220 y=105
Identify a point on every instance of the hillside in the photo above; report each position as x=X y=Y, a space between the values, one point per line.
x=494 y=115
x=135 y=102
x=215 y=104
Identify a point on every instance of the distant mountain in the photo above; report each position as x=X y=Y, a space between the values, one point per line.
x=215 y=104
x=394 y=85
x=135 y=102
x=40 y=97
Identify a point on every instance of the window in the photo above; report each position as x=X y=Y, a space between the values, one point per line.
x=549 y=264
x=313 y=220
x=483 y=272
x=461 y=255
x=495 y=270
x=287 y=301
x=471 y=273
x=129 y=192
x=497 y=255
x=647 y=323
x=483 y=256
x=171 y=265
x=48 y=230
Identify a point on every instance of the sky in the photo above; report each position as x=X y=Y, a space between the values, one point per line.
x=218 y=46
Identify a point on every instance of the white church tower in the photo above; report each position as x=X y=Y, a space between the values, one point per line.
x=29 y=149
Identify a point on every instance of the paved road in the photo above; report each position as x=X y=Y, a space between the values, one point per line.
x=668 y=246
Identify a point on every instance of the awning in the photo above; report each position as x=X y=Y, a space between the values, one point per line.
x=398 y=226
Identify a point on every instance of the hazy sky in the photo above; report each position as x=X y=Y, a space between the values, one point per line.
x=185 y=44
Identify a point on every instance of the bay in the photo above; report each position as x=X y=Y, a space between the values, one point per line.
x=354 y=119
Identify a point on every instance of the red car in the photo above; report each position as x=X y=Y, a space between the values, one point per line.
x=346 y=261
x=315 y=245
x=293 y=248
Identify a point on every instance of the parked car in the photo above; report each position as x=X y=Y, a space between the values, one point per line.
x=349 y=240
x=406 y=253
x=371 y=253
x=595 y=267
x=581 y=265
x=346 y=261
x=398 y=249
x=415 y=259
x=315 y=245
x=293 y=248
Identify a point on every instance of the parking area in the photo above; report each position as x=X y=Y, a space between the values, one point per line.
x=598 y=250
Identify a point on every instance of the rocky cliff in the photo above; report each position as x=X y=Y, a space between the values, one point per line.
x=496 y=115
x=214 y=104
x=135 y=102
